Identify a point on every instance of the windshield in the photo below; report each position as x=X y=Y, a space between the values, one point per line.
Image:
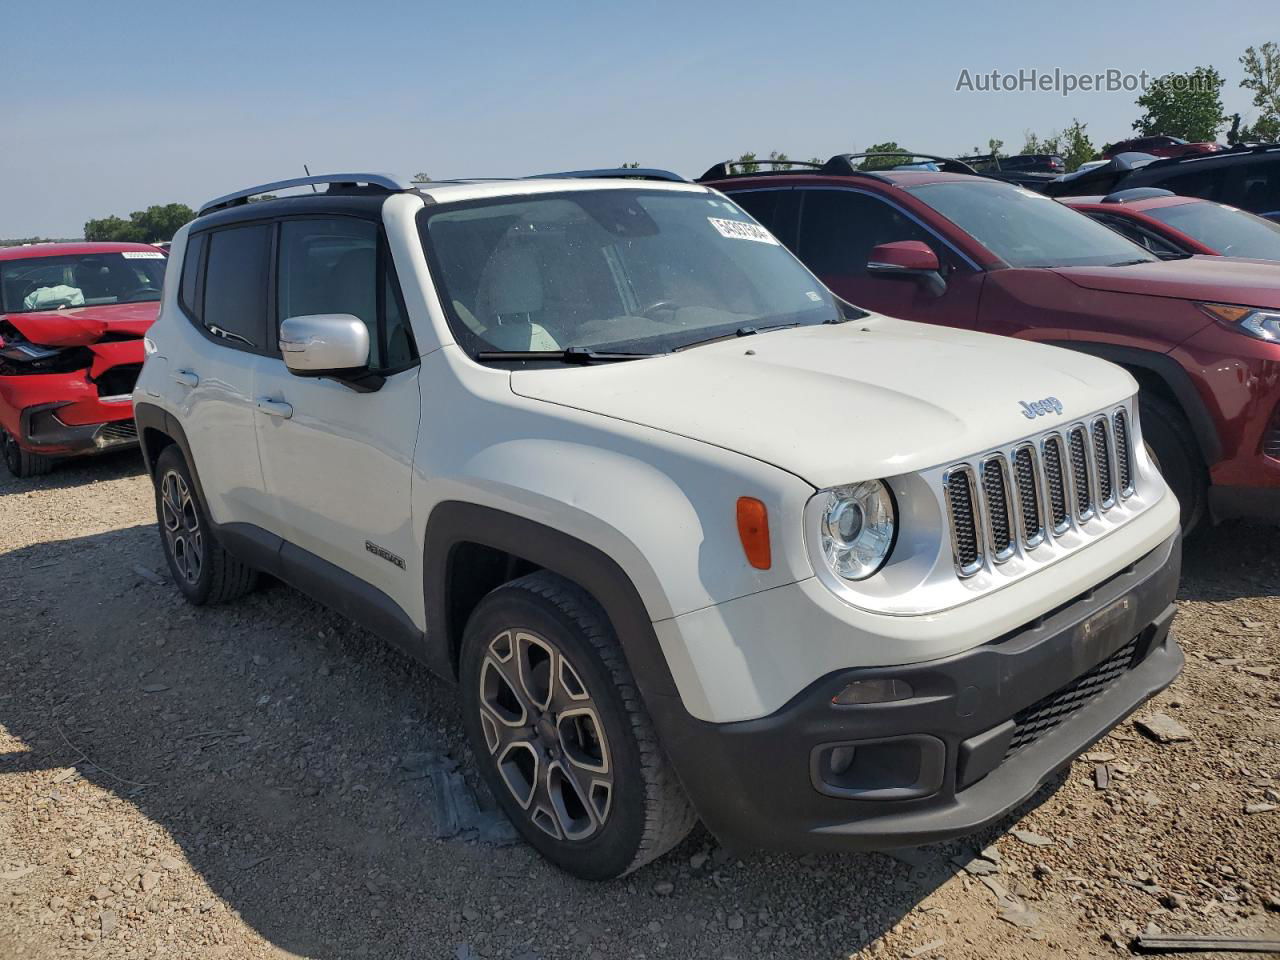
x=1026 y=229
x=1232 y=232
x=639 y=271
x=80 y=280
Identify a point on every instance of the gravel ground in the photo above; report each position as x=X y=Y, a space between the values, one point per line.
x=245 y=781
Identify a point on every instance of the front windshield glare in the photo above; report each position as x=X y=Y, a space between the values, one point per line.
x=638 y=271
x=1026 y=229
x=81 y=280
x=1232 y=232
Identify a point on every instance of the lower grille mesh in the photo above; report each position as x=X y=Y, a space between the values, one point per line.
x=1041 y=717
x=120 y=432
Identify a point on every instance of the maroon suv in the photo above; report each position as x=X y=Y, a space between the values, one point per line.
x=1200 y=334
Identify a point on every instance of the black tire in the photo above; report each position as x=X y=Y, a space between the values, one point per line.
x=22 y=463
x=1168 y=435
x=646 y=813
x=203 y=571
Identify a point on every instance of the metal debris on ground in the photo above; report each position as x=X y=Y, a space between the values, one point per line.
x=1186 y=943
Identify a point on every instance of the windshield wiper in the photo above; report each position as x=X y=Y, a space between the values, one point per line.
x=745 y=331
x=1129 y=263
x=582 y=355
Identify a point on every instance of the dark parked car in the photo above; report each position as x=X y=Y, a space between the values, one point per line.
x=1244 y=177
x=1161 y=146
x=1171 y=226
x=1201 y=335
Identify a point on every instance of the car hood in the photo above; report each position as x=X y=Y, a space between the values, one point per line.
x=80 y=326
x=1254 y=283
x=836 y=404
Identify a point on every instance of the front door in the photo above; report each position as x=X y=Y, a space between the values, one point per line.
x=338 y=462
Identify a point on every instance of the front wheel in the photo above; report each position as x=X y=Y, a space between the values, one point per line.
x=1171 y=445
x=560 y=734
x=22 y=463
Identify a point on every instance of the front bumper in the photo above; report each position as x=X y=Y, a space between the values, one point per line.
x=980 y=732
x=43 y=431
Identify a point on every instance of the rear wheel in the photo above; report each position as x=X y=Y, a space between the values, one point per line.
x=1172 y=447
x=560 y=733
x=202 y=569
x=22 y=463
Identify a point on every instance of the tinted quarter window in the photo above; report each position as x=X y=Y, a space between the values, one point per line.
x=338 y=265
x=840 y=228
x=235 y=286
x=1206 y=184
x=190 y=271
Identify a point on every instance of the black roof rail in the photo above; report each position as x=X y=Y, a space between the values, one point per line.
x=724 y=169
x=377 y=181
x=614 y=173
x=945 y=164
x=1233 y=151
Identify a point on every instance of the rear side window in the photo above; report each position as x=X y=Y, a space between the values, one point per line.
x=235 y=285
x=341 y=265
x=191 y=263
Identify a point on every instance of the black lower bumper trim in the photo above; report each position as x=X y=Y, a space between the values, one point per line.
x=1009 y=713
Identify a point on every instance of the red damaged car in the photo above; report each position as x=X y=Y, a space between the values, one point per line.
x=72 y=319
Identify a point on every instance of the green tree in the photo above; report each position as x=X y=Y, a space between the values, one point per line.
x=746 y=163
x=1034 y=144
x=781 y=160
x=155 y=224
x=632 y=165
x=421 y=178
x=1262 y=76
x=884 y=163
x=1187 y=105
x=1076 y=147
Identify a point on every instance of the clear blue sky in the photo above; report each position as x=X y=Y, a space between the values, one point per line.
x=110 y=107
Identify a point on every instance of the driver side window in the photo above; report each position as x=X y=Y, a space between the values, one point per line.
x=840 y=228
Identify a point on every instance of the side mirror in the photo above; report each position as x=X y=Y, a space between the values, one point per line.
x=324 y=344
x=909 y=260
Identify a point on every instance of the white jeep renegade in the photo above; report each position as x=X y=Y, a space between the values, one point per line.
x=695 y=538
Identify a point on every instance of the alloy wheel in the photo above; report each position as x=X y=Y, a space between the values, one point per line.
x=182 y=526
x=545 y=735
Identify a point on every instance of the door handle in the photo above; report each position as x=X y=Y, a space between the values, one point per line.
x=274 y=408
x=186 y=378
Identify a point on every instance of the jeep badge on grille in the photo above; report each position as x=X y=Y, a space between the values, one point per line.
x=1041 y=408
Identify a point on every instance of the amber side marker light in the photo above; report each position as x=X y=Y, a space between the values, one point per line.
x=753 y=530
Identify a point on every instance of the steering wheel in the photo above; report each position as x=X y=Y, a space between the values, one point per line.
x=660 y=305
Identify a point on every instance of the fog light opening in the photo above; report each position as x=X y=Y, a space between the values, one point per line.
x=878 y=690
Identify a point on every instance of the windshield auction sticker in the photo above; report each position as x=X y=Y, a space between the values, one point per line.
x=142 y=254
x=737 y=230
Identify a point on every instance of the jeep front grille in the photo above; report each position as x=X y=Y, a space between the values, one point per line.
x=962 y=503
x=997 y=508
x=1029 y=505
x=1081 y=482
x=1056 y=482
x=1019 y=498
x=1124 y=455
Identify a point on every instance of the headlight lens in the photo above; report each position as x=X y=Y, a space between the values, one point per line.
x=1262 y=324
x=857 y=529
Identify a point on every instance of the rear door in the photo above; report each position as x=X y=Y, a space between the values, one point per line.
x=338 y=462
x=211 y=374
x=838 y=229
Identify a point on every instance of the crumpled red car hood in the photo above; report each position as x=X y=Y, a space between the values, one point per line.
x=81 y=326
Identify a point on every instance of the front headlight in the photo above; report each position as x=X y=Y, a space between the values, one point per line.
x=1262 y=324
x=856 y=529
